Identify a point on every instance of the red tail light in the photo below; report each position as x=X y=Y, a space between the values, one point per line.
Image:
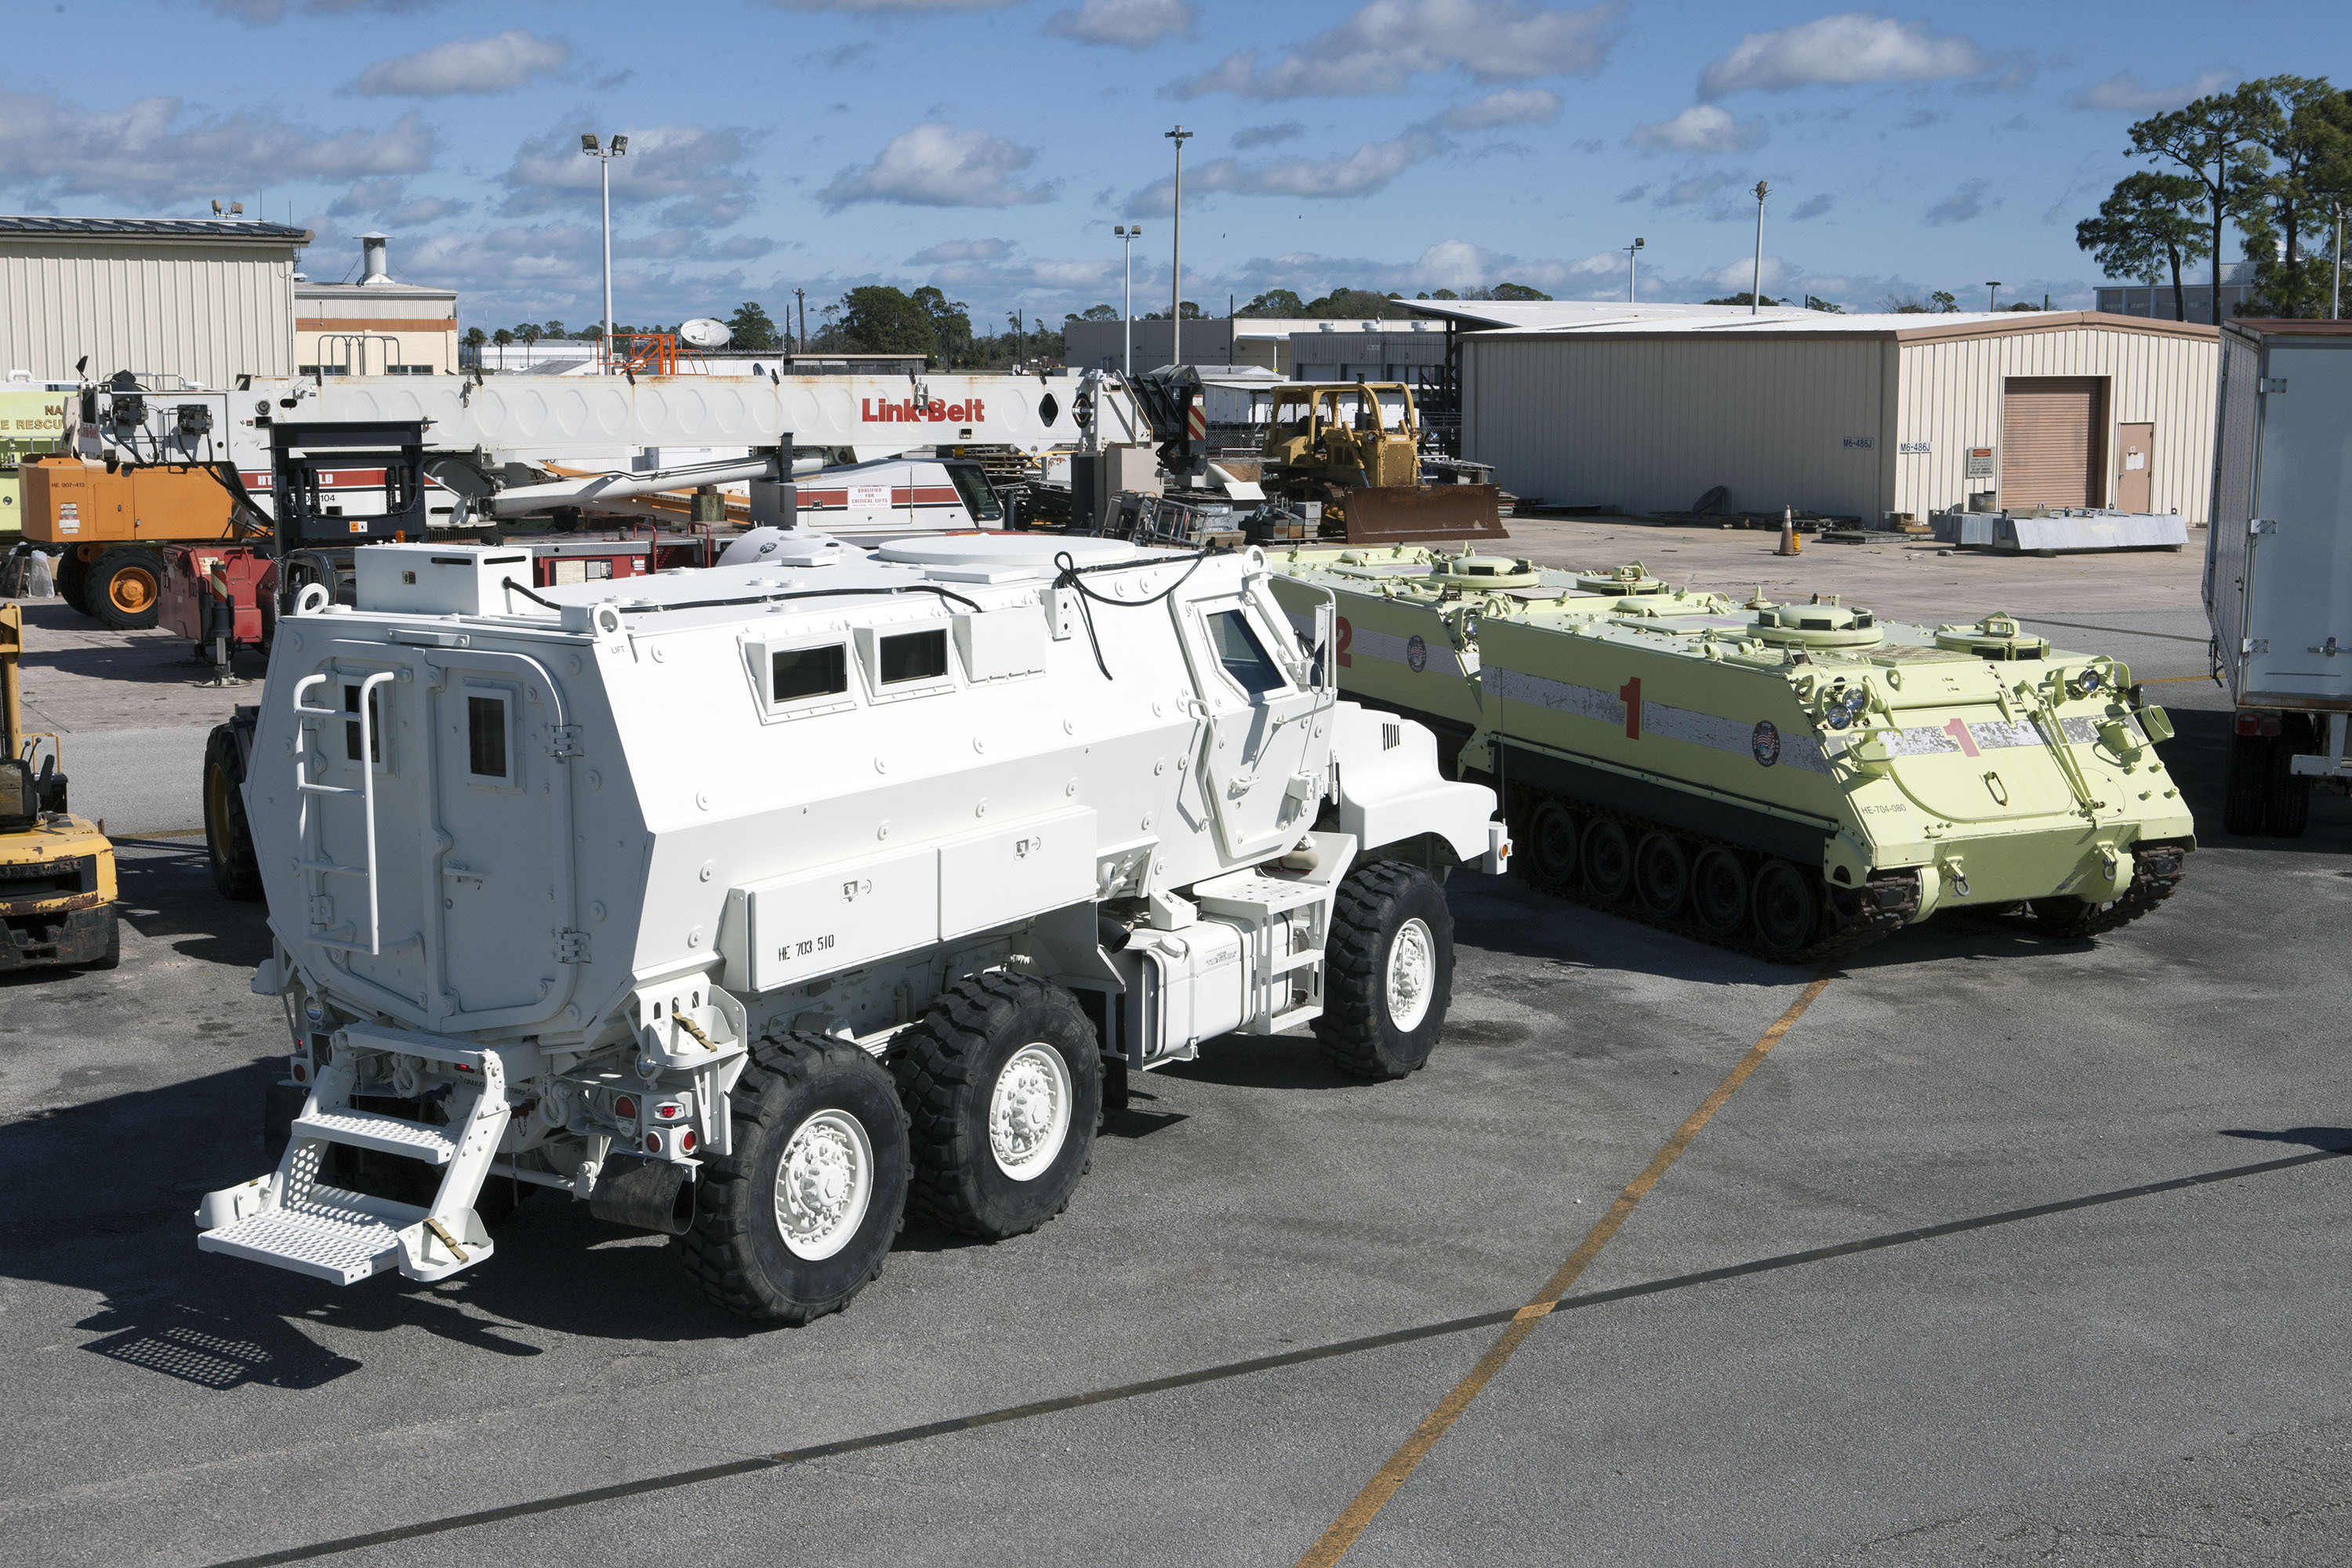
x=625 y=1109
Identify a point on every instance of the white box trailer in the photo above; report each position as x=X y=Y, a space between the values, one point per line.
x=2278 y=564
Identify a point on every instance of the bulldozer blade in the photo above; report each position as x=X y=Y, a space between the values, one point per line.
x=1400 y=516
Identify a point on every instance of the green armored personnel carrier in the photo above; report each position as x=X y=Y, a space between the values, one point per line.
x=1788 y=780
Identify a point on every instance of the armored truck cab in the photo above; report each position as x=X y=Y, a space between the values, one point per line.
x=1791 y=780
x=753 y=903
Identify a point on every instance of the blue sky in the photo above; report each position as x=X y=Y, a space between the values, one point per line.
x=990 y=147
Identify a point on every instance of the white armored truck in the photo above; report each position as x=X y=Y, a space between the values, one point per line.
x=758 y=904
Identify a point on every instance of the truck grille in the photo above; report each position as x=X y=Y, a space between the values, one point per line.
x=31 y=879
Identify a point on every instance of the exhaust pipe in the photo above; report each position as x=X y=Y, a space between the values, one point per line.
x=645 y=1195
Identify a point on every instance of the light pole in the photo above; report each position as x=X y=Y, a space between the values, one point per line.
x=1992 y=300
x=604 y=156
x=2336 y=279
x=1633 y=265
x=1128 y=236
x=1176 y=282
x=801 y=297
x=1756 y=290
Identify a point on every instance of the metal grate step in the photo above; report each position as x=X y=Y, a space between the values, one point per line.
x=339 y=1245
x=388 y=1134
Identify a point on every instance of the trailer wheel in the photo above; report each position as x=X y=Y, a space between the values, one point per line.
x=1002 y=1084
x=1549 y=862
x=1388 y=971
x=229 y=839
x=799 y=1218
x=1788 y=913
x=1608 y=860
x=1661 y=874
x=2243 y=802
x=125 y=589
x=1719 y=892
x=2286 y=797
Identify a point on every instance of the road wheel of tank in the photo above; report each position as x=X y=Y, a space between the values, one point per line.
x=2286 y=798
x=1661 y=874
x=1002 y=1085
x=1388 y=971
x=1719 y=892
x=229 y=839
x=72 y=574
x=125 y=589
x=1608 y=860
x=2244 y=803
x=1788 y=912
x=1548 y=858
x=799 y=1218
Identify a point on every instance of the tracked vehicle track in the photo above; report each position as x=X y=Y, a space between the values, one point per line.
x=1841 y=920
x=2157 y=870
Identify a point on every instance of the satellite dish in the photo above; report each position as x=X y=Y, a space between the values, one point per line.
x=705 y=333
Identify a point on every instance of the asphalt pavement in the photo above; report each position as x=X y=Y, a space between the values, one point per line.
x=2007 y=1251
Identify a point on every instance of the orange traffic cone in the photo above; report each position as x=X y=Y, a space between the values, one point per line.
x=1788 y=545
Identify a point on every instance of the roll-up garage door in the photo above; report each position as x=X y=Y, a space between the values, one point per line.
x=2052 y=448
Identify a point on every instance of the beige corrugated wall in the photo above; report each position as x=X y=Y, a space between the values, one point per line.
x=205 y=312
x=1950 y=398
x=1650 y=422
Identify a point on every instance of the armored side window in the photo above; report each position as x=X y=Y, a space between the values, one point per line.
x=374 y=724
x=914 y=656
x=1244 y=657
x=794 y=673
x=486 y=737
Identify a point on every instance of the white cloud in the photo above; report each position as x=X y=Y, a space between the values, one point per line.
x=155 y=150
x=1129 y=24
x=1701 y=128
x=706 y=165
x=1380 y=46
x=1698 y=188
x=1842 y=51
x=1813 y=207
x=936 y=164
x=386 y=199
x=1266 y=135
x=1368 y=168
x=2126 y=93
x=499 y=64
x=1448 y=264
x=948 y=250
x=1966 y=201
x=1511 y=106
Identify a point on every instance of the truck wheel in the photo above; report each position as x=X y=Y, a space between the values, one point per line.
x=2286 y=798
x=1787 y=911
x=2250 y=766
x=1608 y=860
x=1002 y=1084
x=72 y=573
x=1719 y=892
x=1548 y=863
x=228 y=840
x=1388 y=971
x=1661 y=874
x=124 y=589
x=799 y=1218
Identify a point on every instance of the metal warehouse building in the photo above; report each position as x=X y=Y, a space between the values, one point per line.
x=1850 y=416
x=205 y=299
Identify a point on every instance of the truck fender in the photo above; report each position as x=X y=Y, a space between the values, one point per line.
x=1390 y=788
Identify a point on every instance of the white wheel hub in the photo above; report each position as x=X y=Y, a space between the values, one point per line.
x=1411 y=974
x=824 y=1184
x=1029 y=1113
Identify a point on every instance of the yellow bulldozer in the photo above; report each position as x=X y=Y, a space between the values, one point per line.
x=1355 y=447
x=56 y=869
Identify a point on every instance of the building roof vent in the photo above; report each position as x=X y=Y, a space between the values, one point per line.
x=372 y=268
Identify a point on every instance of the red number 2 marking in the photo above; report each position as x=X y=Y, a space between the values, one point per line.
x=1347 y=637
x=1958 y=731
x=1631 y=695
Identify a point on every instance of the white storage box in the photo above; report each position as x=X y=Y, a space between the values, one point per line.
x=441 y=579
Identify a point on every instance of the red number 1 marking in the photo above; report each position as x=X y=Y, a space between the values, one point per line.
x=1347 y=636
x=1631 y=695
x=1958 y=731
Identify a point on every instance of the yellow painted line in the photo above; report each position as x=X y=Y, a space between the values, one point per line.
x=164 y=833
x=1368 y=1502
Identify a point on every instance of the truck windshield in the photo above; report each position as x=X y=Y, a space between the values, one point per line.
x=1244 y=657
x=978 y=499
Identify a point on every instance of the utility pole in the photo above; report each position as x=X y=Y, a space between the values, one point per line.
x=801 y=294
x=1176 y=280
x=1992 y=300
x=1128 y=236
x=1633 y=265
x=1756 y=290
x=604 y=157
x=2336 y=279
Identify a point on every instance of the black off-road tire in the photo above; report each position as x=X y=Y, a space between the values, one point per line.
x=124 y=590
x=2243 y=804
x=228 y=837
x=736 y=1248
x=2286 y=796
x=1359 y=1031
x=948 y=1070
x=72 y=573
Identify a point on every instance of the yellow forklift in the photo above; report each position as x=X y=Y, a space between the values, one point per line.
x=56 y=870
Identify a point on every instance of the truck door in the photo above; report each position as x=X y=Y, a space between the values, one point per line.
x=2299 y=569
x=1261 y=723
x=501 y=857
